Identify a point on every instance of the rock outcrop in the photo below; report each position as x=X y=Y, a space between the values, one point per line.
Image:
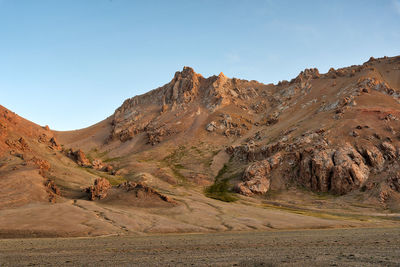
x=187 y=90
x=19 y=144
x=79 y=157
x=52 y=190
x=54 y=144
x=315 y=170
x=394 y=182
x=99 y=189
x=349 y=172
x=98 y=164
x=157 y=135
x=372 y=155
x=42 y=164
x=320 y=167
x=142 y=191
x=255 y=178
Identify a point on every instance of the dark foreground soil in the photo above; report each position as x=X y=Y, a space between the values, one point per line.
x=336 y=247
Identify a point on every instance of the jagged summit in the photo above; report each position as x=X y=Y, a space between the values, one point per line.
x=309 y=98
x=189 y=89
x=221 y=75
x=186 y=72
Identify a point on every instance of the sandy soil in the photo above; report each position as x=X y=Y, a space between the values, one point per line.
x=193 y=213
x=335 y=247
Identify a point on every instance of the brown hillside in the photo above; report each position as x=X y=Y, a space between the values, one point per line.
x=214 y=154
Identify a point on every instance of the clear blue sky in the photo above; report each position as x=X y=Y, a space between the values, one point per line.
x=71 y=63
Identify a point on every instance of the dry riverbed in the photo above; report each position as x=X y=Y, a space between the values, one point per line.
x=331 y=247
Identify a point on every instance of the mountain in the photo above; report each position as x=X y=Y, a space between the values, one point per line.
x=214 y=154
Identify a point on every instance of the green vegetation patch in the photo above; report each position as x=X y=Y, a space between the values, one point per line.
x=220 y=190
x=107 y=160
x=173 y=161
x=176 y=156
x=94 y=153
x=113 y=179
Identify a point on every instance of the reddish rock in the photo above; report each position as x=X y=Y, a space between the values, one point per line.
x=99 y=189
x=42 y=138
x=306 y=75
x=52 y=190
x=19 y=144
x=80 y=158
x=98 y=164
x=155 y=136
x=255 y=178
x=54 y=144
x=42 y=164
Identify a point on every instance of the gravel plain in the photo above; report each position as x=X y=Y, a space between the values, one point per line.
x=330 y=247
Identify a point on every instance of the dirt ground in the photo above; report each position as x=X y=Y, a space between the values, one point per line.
x=333 y=247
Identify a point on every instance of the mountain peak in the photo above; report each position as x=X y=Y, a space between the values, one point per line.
x=222 y=75
x=187 y=72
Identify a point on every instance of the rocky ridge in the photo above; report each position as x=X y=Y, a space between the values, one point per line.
x=244 y=111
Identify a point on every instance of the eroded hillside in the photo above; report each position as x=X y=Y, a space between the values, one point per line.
x=215 y=154
x=335 y=132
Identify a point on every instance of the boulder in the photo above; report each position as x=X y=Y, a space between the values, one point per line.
x=98 y=164
x=211 y=126
x=54 y=144
x=80 y=158
x=256 y=186
x=99 y=189
x=255 y=179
